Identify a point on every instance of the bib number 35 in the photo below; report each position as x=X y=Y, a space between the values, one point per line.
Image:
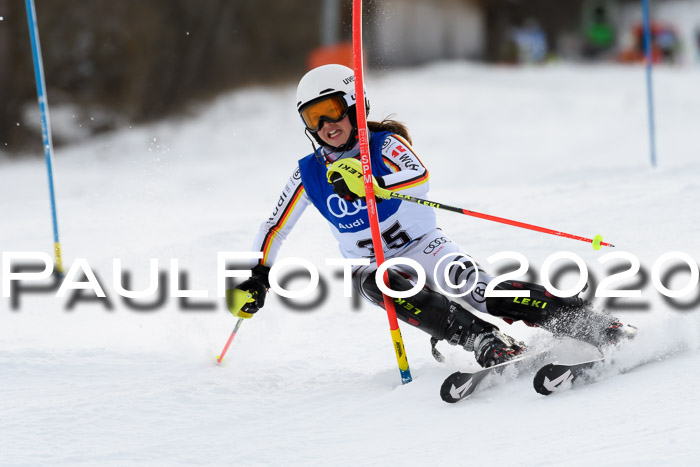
x=393 y=237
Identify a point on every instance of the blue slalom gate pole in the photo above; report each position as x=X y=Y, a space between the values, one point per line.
x=45 y=125
x=650 y=91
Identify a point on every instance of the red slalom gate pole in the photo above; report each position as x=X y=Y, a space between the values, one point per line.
x=363 y=134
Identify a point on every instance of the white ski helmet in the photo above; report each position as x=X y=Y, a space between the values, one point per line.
x=326 y=83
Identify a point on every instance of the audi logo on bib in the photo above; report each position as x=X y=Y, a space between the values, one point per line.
x=341 y=208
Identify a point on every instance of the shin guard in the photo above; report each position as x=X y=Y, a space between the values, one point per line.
x=562 y=316
x=429 y=311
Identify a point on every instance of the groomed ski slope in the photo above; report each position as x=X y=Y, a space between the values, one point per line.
x=563 y=147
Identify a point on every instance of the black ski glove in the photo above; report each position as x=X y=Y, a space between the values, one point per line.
x=257 y=286
x=341 y=189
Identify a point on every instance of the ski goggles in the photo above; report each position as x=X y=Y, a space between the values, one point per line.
x=330 y=109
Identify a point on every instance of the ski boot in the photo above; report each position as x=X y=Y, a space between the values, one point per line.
x=445 y=320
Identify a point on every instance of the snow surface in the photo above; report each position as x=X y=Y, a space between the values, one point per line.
x=564 y=147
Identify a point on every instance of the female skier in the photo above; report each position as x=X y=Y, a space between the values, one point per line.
x=328 y=180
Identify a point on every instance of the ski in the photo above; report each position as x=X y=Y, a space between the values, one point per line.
x=459 y=385
x=555 y=377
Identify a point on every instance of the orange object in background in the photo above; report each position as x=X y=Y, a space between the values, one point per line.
x=339 y=53
x=665 y=44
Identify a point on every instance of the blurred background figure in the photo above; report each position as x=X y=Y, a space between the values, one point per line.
x=598 y=30
x=665 y=45
x=531 y=42
x=667 y=41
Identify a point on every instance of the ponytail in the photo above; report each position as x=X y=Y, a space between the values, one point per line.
x=392 y=126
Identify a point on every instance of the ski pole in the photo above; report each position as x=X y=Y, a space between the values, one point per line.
x=596 y=241
x=45 y=125
x=220 y=358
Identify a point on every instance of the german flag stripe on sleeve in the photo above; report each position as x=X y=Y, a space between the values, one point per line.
x=389 y=163
x=419 y=180
x=272 y=233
